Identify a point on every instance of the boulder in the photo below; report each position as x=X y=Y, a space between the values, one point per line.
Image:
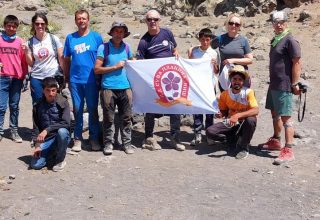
x=31 y=5
x=304 y=16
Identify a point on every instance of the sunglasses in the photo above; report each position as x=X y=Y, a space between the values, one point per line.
x=278 y=22
x=39 y=24
x=234 y=23
x=152 y=19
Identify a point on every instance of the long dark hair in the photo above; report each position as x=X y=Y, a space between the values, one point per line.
x=33 y=20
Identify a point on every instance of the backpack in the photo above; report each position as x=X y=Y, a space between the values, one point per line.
x=106 y=53
x=59 y=74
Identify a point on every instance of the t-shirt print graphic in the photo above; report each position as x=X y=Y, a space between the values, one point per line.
x=81 y=48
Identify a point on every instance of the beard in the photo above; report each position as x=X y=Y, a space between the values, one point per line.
x=236 y=87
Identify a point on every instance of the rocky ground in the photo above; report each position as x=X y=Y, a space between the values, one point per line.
x=200 y=183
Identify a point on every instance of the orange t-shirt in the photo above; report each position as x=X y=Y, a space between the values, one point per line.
x=240 y=102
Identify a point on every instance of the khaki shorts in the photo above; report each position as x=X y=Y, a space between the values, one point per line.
x=280 y=102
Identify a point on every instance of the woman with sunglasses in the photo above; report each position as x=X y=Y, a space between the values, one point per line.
x=43 y=55
x=234 y=48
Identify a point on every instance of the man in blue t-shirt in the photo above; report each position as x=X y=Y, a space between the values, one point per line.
x=158 y=43
x=115 y=87
x=80 y=51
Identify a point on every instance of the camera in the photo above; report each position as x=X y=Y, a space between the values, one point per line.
x=302 y=87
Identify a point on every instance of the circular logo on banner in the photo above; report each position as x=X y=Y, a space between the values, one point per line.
x=172 y=85
x=43 y=53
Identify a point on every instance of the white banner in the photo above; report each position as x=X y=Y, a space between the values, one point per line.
x=172 y=86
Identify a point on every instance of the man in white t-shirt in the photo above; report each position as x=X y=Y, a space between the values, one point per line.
x=203 y=51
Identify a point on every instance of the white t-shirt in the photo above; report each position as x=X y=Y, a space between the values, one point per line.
x=209 y=53
x=45 y=62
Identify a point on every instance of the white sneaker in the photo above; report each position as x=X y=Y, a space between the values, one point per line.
x=197 y=140
x=76 y=146
x=59 y=167
x=151 y=144
x=177 y=145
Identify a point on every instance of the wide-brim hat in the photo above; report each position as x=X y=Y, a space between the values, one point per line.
x=122 y=25
x=236 y=69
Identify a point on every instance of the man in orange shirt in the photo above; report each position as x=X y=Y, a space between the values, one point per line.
x=239 y=107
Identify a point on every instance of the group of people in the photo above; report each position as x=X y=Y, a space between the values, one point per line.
x=90 y=67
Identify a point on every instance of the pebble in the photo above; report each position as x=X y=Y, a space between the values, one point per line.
x=287 y=166
x=216 y=196
x=12 y=177
x=270 y=172
x=255 y=170
x=315 y=216
x=2 y=182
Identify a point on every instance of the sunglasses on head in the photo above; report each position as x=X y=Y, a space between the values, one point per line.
x=234 y=23
x=38 y=24
x=152 y=19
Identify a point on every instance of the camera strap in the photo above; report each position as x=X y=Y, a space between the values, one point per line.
x=301 y=114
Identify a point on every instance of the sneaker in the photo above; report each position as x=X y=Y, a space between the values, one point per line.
x=129 y=149
x=59 y=166
x=177 y=145
x=197 y=140
x=95 y=146
x=242 y=154
x=151 y=144
x=15 y=137
x=76 y=146
x=108 y=149
x=272 y=144
x=210 y=141
x=286 y=155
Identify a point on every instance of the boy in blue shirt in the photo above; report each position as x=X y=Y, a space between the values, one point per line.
x=116 y=90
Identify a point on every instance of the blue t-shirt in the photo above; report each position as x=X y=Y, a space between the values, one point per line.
x=83 y=53
x=156 y=46
x=116 y=79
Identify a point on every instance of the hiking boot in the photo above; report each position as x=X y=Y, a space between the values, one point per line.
x=272 y=144
x=242 y=154
x=95 y=146
x=15 y=137
x=76 y=146
x=128 y=148
x=286 y=155
x=151 y=144
x=59 y=166
x=197 y=140
x=176 y=144
x=108 y=149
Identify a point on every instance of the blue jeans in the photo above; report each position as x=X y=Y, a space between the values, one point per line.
x=36 y=89
x=55 y=148
x=90 y=92
x=10 y=90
